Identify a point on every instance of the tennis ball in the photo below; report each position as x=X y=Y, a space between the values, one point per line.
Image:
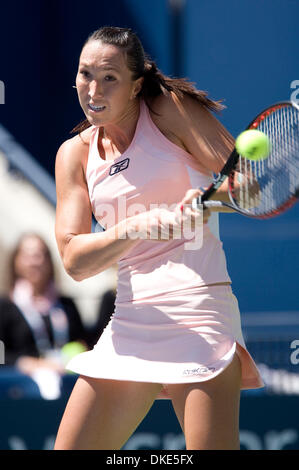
x=253 y=144
x=71 y=349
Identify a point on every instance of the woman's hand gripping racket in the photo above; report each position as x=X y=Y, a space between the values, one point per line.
x=263 y=188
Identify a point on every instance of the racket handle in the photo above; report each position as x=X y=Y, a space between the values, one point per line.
x=196 y=203
x=213 y=204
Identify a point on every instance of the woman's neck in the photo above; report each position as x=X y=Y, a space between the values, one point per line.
x=116 y=138
x=38 y=290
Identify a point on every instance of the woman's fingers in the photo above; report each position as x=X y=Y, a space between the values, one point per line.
x=165 y=224
x=190 y=195
x=186 y=203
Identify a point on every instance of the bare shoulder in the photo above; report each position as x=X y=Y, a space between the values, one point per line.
x=189 y=124
x=73 y=152
x=164 y=110
x=173 y=109
x=175 y=115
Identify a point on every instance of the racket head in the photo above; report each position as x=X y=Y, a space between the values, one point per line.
x=267 y=188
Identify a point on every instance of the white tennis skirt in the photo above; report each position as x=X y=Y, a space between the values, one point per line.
x=185 y=336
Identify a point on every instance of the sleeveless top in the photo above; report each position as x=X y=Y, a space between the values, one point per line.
x=153 y=172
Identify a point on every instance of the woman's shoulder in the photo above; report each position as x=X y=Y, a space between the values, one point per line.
x=169 y=111
x=83 y=138
x=188 y=123
x=79 y=141
x=172 y=105
x=74 y=151
x=169 y=114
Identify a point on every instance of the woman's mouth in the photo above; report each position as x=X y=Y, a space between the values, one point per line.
x=96 y=109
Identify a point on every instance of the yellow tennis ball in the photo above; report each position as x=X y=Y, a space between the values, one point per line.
x=253 y=144
x=71 y=350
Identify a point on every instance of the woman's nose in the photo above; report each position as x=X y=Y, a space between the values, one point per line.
x=36 y=259
x=95 y=89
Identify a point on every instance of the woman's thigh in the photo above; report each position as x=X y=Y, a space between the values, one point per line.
x=103 y=414
x=209 y=411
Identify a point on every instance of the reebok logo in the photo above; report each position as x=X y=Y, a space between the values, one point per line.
x=119 y=166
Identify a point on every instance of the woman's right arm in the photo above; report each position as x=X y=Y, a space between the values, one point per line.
x=84 y=254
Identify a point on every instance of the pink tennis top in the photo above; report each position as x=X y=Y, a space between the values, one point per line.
x=169 y=324
x=153 y=171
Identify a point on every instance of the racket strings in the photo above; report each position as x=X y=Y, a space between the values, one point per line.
x=264 y=186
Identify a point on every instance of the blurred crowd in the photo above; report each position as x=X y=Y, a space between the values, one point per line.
x=41 y=329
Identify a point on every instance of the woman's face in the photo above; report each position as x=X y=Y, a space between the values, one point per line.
x=32 y=262
x=104 y=83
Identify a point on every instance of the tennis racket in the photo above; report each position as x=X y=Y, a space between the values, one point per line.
x=264 y=188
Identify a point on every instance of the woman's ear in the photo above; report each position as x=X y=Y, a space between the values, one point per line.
x=137 y=87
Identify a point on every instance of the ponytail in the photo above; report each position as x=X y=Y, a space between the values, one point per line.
x=155 y=82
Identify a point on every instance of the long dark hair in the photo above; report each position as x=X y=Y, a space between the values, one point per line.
x=155 y=82
x=12 y=272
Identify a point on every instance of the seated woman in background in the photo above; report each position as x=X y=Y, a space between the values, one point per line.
x=35 y=320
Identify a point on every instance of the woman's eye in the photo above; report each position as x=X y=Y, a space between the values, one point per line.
x=109 y=78
x=84 y=73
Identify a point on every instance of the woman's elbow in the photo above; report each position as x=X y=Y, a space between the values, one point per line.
x=69 y=263
x=76 y=276
x=72 y=269
x=72 y=272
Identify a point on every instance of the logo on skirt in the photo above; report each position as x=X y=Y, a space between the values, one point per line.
x=199 y=371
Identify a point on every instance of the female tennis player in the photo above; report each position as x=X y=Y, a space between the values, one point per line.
x=175 y=332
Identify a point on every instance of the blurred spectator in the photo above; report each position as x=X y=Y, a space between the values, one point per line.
x=35 y=320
